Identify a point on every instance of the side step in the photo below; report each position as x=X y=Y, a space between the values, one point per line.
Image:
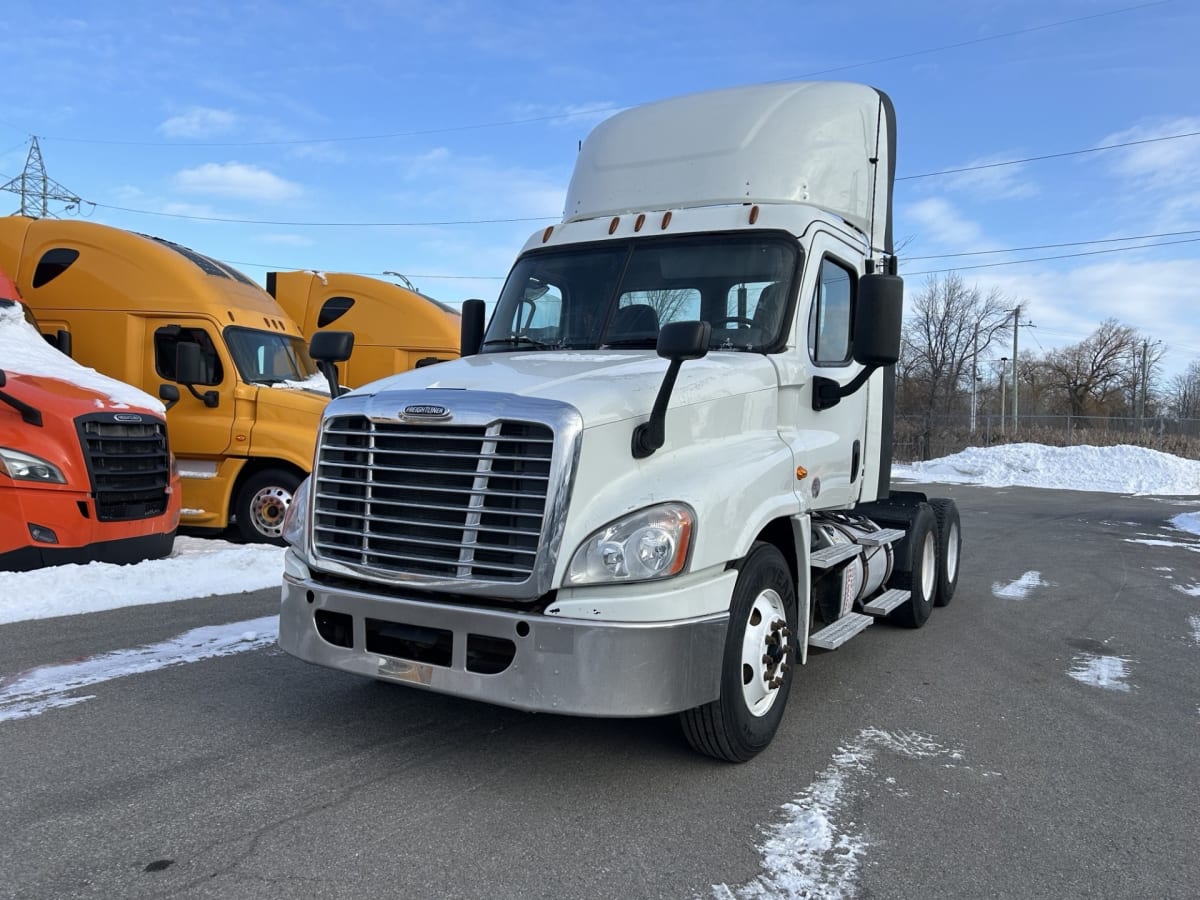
x=833 y=636
x=828 y=557
x=881 y=537
x=886 y=602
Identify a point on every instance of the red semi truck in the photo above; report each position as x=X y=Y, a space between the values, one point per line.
x=86 y=472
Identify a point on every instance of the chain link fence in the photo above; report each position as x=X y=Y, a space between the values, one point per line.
x=920 y=437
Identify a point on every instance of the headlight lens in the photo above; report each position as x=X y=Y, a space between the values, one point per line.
x=651 y=543
x=295 y=520
x=26 y=467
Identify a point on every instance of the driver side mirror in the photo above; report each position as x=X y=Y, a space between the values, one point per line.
x=329 y=348
x=877 y=319
x=190 y=371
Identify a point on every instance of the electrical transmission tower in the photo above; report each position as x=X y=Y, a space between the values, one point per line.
x=36 y=188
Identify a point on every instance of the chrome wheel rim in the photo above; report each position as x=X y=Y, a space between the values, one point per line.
x=267 y=509
x=765 y=648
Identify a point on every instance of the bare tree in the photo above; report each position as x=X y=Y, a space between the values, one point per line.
x=949 y=327
x=1185 y=393
x=1094 y=374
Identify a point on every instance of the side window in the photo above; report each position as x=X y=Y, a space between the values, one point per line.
x=52 y=264
x=168 y=338
x=829 y=319
x=333 y=309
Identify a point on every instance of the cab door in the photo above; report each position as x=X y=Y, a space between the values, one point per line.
x=197 y=427
x=835 y=452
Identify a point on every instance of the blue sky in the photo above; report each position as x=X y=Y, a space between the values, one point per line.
x=389 y=111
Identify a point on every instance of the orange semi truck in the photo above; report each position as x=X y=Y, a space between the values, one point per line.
x=395 y=329
x=85 y=470
x=244 y=427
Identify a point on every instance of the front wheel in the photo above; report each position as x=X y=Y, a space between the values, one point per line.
x=261 y=504
x=756 y=670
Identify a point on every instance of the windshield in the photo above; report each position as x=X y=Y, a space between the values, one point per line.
x=265 y=357
x=618 y=295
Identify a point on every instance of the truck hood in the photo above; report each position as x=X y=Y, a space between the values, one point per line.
x=300 y=402
x=605 y=386
x=55 y=396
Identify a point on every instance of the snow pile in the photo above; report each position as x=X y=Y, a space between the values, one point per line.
x=196 y=568
x=23 y=350
x=1116 y=470
x=316 y=383
x=1187 y=522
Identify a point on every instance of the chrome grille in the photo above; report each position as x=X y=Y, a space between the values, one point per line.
x=453 y=501
x=129 y=464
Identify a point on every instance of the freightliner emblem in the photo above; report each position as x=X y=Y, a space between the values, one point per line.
x=426 y=411
x=126 y=417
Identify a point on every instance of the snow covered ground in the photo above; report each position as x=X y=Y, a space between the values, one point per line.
x=202 y=568
x=1115 y=470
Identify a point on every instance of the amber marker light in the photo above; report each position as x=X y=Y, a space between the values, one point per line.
x=681 y=551
x=753 y=214
x=666 y=219
x=639 y=222
x=546 y=234
x=801 y=473
x=612 y=226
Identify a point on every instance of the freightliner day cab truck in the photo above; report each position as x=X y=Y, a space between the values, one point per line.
x=86 y=473
x=394 y=329
x=664 y=472
x=245 y=426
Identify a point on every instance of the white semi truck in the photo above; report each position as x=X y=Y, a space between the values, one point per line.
x=662 y=472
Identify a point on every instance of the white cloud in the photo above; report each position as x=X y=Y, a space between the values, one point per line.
x=996 y=183
x=1161 y=164
x=938 y=223
x=199 y=122
x=234 y=179
x=479 y=186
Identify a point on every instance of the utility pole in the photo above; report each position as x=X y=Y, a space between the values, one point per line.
x=1016 y=330
x=1003 y=372
x=975 y=379
x=36 y=188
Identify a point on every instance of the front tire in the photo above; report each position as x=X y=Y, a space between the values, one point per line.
x=261 y=503
x=756 y=670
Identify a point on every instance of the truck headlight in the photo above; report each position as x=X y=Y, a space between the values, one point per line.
x=27 y=467
x=650 y=543
x=295 y=520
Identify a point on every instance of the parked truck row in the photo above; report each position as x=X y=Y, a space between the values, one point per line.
x=661 y=472
x=244 y=397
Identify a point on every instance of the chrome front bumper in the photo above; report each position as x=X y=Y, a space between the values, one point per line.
x=570 y=666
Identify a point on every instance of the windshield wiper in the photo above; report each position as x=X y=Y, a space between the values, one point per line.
x=518 y=340
x=648 y=343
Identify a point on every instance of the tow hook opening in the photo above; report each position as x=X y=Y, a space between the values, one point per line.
x=335 y=627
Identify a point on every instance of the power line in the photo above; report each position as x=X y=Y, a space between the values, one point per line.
x=277 y=267
x=282 y=268
x=1043 y=259
x=605 y=107
x=981 y=40
x=1014 y=162
x=231 y=220
x=1117 y=240
x=150 y=212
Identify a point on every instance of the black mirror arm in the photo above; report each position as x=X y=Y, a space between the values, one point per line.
x=330 y=371
x=210 y=398
x=827 y=392
x=651 y=435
